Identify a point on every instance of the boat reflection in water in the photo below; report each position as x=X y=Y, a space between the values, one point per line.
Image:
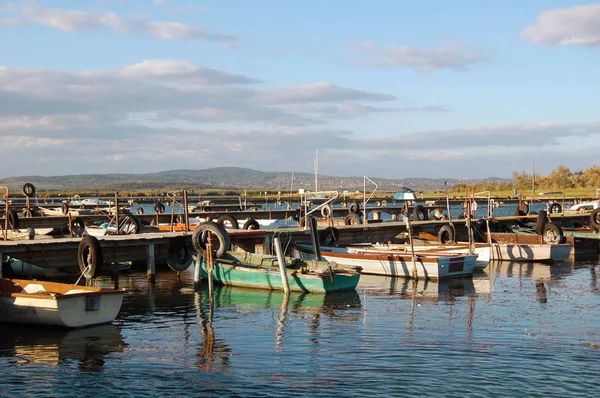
x=308 y=305
x=51 y=346
x=543 y=275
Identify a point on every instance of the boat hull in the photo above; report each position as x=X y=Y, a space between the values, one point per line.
x=395 y=264
x=263 y=278
x=39 y=303
x=530 y=252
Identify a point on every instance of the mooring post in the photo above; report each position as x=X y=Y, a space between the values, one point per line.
x=4 y=259
x=281 y=261
x=197 y=277
x=151 y=273
x=209 y=266
x=117 y=212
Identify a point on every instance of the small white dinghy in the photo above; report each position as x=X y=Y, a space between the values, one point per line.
x=57 y=304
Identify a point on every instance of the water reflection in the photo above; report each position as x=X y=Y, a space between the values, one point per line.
x=28 y=345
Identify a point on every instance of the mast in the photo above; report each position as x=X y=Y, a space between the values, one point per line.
x=317 y=171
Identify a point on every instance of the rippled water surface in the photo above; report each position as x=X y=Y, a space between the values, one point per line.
x=515 y=330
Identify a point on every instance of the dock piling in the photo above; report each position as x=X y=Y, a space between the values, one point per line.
x=151 y=262
x=281 y=261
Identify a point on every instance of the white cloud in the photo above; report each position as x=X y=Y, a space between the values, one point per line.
x=33 y=13
x=569 y=26
x=320 y=92
x=451 y=56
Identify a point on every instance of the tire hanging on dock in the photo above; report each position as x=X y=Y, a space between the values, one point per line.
x=77 y=226
x=89 y=256
x=445 y=234
x=29 y=190
x=225 y=220
x=352 y=219
x=159 y=207
x=555 y=208
x=354 y=207
x=327 y=211
x=13 y=219
x=130 y=225
x=251 y=224
x=221 y=242
x=65 y=208
x=540 y=224
x=179 y=257
x=419 y=213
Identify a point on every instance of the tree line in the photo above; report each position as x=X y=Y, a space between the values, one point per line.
x=560 y=178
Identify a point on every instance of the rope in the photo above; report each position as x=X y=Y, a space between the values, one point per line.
x=283 y=232
x=89 y=267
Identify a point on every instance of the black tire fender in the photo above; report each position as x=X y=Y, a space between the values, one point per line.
x=77 y=226
x=251 y=224
x=65 y=208
x=179 y=256
x=553 y=233
x=159 y=207
x=29 y=190
x=89 y=256
x=352 y=219
x=139 y=211
x=595 y=219
x=130 y=225
x=327 y=211
x=200 y=236
x=445 y=234
x=330 y=236
x=419 y=213
x=540 y=225
x=354 y=207
x=555 y=208
x=228 y=219
x=13 y=219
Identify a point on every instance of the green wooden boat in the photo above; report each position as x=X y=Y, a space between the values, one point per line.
x=240 y=268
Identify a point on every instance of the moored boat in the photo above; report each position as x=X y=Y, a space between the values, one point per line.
x=240 y=268
x=426 y=265
x=57 y=304
x=482 y=251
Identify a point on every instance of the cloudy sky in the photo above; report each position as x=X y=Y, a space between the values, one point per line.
x=385 y=88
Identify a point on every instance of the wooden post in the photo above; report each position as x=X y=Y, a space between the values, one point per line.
x=209 y=265
x=314 y=233
x=117 y=213
x=197 y=275
x=185 y=210
x=4 y=258
x=415 y=273
x=151 y=273
x=281 y=261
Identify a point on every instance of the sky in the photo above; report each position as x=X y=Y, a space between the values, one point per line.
x=380 y=88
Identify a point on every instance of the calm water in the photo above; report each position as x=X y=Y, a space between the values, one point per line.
x=516 y=330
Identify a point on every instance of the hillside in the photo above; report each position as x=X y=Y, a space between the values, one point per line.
x=222 y=178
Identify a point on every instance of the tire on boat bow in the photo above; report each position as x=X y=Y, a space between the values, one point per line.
x=221 y=242
x=553 y=234
x=89 y=256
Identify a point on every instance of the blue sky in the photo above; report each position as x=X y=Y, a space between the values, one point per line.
x=387 y=89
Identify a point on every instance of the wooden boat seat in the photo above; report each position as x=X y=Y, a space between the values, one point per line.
x=76 y=291
x=33 y=288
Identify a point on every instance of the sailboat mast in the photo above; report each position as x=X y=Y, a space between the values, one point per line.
x=317 y=171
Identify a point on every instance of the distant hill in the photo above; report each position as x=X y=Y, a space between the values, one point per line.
x=233 y=178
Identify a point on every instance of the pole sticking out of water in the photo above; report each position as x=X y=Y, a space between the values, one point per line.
x=410 y=239
x=209 y=265
x=281 y=261
x=197 y=275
